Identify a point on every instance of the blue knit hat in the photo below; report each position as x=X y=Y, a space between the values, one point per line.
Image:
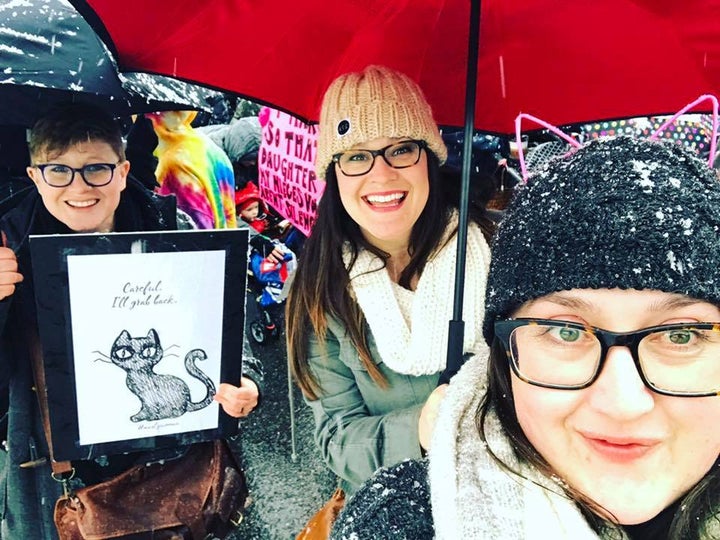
x=618 y=212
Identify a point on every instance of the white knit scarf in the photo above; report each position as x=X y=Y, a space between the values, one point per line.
x=422 y=349
x=472 y=497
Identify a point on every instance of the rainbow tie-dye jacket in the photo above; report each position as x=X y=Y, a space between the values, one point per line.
x=194 y=169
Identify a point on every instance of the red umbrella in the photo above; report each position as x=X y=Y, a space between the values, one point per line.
x=566 y=61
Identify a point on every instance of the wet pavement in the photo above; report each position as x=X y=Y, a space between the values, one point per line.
x=284 y=492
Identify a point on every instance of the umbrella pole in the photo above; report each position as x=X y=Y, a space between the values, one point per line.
x=456 y=330
x=291 y=401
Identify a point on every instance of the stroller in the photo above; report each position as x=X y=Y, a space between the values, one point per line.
x=271 y=283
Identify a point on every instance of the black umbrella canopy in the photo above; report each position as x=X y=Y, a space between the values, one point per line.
x=49 y=53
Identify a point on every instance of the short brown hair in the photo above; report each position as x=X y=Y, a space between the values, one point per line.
x=72 y=123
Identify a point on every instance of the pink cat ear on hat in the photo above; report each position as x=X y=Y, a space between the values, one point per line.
x=689 y=107
x=518 y=138
x=575 y=143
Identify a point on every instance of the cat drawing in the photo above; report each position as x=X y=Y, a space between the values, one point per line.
x=162 y=396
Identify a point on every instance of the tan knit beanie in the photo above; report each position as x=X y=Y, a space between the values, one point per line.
x=377 y=102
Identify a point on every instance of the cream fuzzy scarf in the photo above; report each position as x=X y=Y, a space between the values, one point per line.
x=422 y=349
x=472 y=497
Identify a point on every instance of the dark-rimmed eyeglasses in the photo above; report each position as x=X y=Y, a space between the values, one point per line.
x=397 y=155
x=93 y=174
x=674 y=359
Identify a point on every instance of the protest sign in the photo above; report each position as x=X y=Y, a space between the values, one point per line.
x=138 y=330
x=286 y=171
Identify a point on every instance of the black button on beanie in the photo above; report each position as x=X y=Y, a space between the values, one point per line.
x=618 y=212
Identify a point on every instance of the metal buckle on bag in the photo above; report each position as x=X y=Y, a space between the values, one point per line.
x=64 y=481
x=236 y=518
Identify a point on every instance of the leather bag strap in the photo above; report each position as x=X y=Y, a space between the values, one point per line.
x=58 y=467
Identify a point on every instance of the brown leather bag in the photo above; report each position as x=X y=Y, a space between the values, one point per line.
x=320 y=525
x=200 y=493
x=203 y=492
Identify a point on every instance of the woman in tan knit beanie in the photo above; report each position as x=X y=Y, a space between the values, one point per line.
x=367 y=316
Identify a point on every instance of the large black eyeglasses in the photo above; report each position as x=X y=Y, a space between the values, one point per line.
x=93 y=174
x=398 y=156
x=674 y=359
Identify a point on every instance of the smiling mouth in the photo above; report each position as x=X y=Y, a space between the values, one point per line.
x=82 y=204
x=386 y=200
x=621 y=449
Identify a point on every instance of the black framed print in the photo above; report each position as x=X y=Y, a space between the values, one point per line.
x=137 y=331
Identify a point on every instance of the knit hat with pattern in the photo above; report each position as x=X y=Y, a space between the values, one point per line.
x=376 y=102
x=618 y=212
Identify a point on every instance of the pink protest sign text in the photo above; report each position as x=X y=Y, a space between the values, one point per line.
x=286 y=173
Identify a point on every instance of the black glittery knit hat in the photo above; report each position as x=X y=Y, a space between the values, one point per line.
x=618 y=212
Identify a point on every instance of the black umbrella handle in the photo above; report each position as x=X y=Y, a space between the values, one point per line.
x=456 y=333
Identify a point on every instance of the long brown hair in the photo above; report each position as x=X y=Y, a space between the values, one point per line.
x=698 y=506
x=320 y=286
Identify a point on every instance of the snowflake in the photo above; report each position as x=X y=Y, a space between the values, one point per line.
x=675 y=264
x=644 y=170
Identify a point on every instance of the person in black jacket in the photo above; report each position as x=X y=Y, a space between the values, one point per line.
x=79 y=168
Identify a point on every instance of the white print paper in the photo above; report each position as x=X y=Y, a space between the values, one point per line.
x=141 y=323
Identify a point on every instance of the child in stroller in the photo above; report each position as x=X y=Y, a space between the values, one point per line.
x=253 y=211
x=272 y=280
x=271 y=261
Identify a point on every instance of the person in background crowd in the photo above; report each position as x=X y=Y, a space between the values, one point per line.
x=240 y=140
x=593 y=414
x=139 y=150
x=253 y=210
x=195 y=170
x=368 y=311
x=487 y=170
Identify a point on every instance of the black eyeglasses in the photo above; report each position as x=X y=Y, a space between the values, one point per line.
x=93 y=174
x=397 y=155
x=674 y=359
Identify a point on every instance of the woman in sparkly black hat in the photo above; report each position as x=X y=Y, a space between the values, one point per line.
x=594 y=414
x=368 y=312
